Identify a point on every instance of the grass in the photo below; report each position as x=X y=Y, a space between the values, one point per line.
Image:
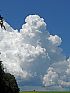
x=45 y=92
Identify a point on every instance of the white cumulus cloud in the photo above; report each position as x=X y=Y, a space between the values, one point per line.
x=32 y=54
x=55 y=40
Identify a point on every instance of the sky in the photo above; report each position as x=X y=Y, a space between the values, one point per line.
x=55 y=12
x=34 y=47
x=44 y=32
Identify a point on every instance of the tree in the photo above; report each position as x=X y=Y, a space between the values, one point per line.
x=8 y=82
x=11 y=83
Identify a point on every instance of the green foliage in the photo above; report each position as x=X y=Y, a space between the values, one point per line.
x=8 y=82
x=1 y=69
x=11 y=83
x=46 y=92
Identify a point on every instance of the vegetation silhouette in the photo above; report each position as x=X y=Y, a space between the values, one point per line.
x=1 y=22
x=8 y=82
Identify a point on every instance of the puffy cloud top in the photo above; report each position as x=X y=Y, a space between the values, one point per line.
x=36 y=22
x=33 y=54
x=55 y=40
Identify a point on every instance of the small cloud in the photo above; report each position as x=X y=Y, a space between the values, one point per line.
x=55 y=40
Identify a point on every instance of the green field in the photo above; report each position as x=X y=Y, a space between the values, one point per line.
x=45 y=92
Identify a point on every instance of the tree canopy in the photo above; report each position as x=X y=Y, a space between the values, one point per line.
x=8 y=82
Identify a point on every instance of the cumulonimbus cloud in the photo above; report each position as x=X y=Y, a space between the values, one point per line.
x=33 y=54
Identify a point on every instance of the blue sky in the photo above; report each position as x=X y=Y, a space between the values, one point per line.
x=55 y=12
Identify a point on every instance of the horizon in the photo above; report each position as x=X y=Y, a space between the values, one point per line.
x=36 y=36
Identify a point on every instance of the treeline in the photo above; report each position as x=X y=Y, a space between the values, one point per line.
x=8 y=82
